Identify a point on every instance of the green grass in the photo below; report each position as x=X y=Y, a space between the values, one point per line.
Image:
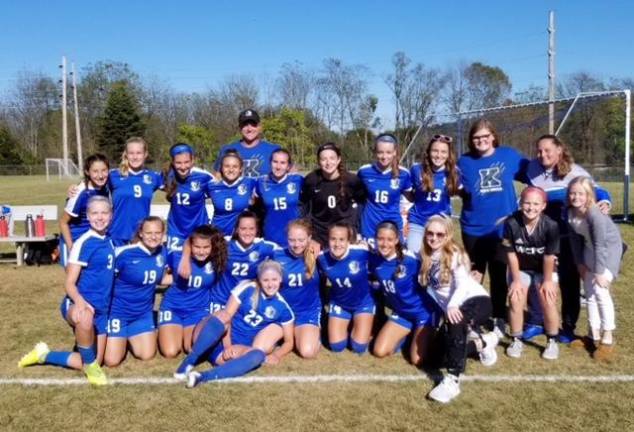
x=30 y=313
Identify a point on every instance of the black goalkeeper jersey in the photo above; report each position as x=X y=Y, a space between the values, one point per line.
x=530 y=248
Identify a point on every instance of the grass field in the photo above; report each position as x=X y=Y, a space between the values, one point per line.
x=30 y=299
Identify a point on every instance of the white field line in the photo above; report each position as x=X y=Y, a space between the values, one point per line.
x=303 y=379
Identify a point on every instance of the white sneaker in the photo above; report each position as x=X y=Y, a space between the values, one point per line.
x=183 y=376
x=447 y=390
x=515 y=349
x=552 y=350
x=499 y=327
x=488 y=355
x=192 y=379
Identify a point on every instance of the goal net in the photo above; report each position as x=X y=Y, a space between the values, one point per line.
x=58 y=168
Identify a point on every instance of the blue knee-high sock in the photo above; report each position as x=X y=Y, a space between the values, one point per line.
x=208 y=337
x=57 y=358
x=88 y=354
x=359 y=348
x=338 y=346
x=236 y=367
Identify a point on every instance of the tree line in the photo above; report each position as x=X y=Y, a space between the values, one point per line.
x=302 y=108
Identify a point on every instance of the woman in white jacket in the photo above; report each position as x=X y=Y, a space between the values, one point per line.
x=465 y=303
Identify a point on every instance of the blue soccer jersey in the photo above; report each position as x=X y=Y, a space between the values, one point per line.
x=187 y=209
x=348 y=276
x=383 y=197
x=281 y=203
x=428 y=203
x=138 y=271
x=191 y=294
x=131 y=200
x=489 y=193
x=256 y=312
x=95 y=254
x=76 y=207
x=398 y=281
x=242 y=264
x=229 y=201
x=257 y=159
x=301 y=292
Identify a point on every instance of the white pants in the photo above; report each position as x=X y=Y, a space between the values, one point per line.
x=599 y=303
x=415 y=237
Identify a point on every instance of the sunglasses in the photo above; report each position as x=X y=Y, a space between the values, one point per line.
x=440 y=235
x=442 y=138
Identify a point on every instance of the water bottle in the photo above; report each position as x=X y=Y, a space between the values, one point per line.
x=4 y=227
x=29 y=226
x=40 y=226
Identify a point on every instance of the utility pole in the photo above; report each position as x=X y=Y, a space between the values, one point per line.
x=551 y=72
x=64 y=119
x=80 y=157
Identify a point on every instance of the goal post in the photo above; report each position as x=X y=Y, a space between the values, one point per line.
x=59 y=168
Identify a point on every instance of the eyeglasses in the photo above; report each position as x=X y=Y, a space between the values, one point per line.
x=442 y=138
x=440 y=235
x=481 y=137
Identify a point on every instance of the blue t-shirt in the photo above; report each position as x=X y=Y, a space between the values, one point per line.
x=193 y=293
x=489 y=193
x=383 y=197
x=257 y=159
x=398 y=282
x=187 y=209
x=229 y=201
x=428 y=203
x=242 y=264
x=251 y=318
x=131 y=200
x=281 y=204
x=348 y=276
x=95 y=254
x=138 y=272
x=76 y=207
x=301 y=293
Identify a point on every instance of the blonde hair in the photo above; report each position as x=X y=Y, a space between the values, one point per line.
x=263 y=267
x=310 y=260
x=124 y=166
x=588 y=186
x=390 y=139
x=447 y=252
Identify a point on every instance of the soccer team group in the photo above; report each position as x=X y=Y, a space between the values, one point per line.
x=248 y=285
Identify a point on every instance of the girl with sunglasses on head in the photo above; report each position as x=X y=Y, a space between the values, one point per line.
x=434 y=180
x=186 y=189
x=395 y=271
x=385 y=182
x=465 y=303
x=230 y=194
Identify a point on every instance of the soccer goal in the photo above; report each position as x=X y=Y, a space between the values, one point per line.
x=595 y=126
x=58 y=168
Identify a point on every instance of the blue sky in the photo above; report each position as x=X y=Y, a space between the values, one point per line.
x=192 y=45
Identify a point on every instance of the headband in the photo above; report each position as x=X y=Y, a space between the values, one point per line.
x=181 y=148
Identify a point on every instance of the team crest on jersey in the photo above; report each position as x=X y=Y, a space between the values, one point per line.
x=269 y=312
x=159 y=261
x=147 y=179
x=354 y=267
x=242 y=189
x=291 y=188
x=395 y=183
x=254 y=256
x=195 y=186
x=208 y=268
x=401 y=271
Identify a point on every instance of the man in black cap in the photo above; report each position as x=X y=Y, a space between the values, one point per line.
x=255 y=152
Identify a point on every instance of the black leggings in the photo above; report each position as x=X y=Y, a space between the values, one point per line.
x=475 y=312
x=486 y=251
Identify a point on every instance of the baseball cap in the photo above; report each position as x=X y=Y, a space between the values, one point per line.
x=248 y=115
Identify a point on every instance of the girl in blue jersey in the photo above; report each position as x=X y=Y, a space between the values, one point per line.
x=241 y=336
x=245 y=252
x=385 y=182
x=132 y=187
x=139 y=268
x=487 y=174
x=74 y=220
x=186 y=190
x=434 y=181
x=89 y=278
x=396 y=270
x=300 y=287
x=345 y=266
x=278 y=195
x=195 y=271
x=231 y=193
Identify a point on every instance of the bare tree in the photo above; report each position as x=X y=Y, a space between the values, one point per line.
x=295 y=85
